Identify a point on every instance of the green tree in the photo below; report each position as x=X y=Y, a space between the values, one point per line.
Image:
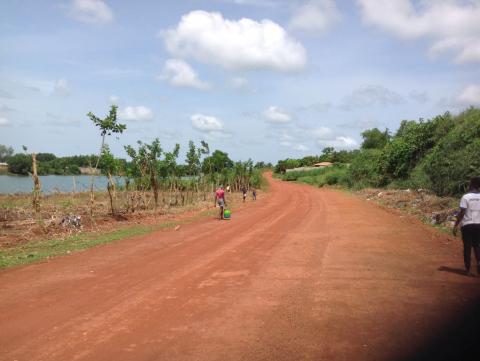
x=5 y=152
x=375 y=139
x=20 y=164
x=107 y=126
x=217 y=162
x=193 y=159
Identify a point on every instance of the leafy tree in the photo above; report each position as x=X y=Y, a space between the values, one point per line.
x=193 y=159
x=20 y=164
x=145 y=164
x=455 y=158
x=5 y=152
x=217 y=162
x=375 y=139
x=107 y=126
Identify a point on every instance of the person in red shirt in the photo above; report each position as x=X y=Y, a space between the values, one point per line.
x=220 y=200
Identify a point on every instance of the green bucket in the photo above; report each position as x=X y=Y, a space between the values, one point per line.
x=227 y=213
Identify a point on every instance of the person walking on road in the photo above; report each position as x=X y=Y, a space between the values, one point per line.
x=254 y=194
x=469 y=219
x=244 y=193
x=220 y=200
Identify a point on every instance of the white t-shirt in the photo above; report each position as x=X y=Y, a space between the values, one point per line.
x=471 y=203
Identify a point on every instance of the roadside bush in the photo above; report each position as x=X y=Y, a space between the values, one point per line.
x=456 y=157
x=364 y=171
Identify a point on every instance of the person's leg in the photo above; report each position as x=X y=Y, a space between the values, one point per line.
x=467 y=247
x=476 y=245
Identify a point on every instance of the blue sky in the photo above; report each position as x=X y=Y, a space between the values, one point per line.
x=258 y=79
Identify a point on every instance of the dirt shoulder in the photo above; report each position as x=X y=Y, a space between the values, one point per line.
x=25 y=241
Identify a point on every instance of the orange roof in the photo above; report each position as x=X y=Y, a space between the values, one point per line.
x=323 y=164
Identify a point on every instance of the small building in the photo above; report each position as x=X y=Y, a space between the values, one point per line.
x=3 y=165
x=323 y=165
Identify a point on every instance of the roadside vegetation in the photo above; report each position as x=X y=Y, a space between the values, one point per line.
x=438 y=155
x=422 y=168
x=156 y=186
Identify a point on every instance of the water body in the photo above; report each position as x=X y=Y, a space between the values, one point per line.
x=53 y=183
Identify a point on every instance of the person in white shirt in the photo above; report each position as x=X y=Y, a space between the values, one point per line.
x=469 y=219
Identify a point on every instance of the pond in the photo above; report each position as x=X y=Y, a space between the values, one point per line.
x=10 y=184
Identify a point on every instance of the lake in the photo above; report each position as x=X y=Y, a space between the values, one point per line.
x=52 y=183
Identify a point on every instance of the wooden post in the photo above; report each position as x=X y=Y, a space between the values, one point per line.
x=36 y=185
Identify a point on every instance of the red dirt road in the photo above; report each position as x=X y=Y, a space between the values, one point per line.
x=302 y=274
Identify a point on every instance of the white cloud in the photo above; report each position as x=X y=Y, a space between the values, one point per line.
x=178 y=73
x=276 y=115
x=209 y=125
x=206 y=123
x=62 y=87
x=340 y=142
x=91 y=11
x=469 y=96
x=113 y=99
x=234 y=44
x=369 y=95
x=4 y=122
x=451 y=25
x=136 y=113
x=315 y=16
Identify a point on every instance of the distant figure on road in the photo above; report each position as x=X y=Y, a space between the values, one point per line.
x=228 y=189
x=220 y=200
x=244 y=192
x=254 y=194
x=469 y=219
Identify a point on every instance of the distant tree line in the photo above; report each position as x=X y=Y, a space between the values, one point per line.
x=440 y=154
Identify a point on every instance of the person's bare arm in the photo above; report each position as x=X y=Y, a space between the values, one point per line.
x=459 y=219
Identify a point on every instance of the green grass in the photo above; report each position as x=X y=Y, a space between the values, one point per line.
x=35 y=251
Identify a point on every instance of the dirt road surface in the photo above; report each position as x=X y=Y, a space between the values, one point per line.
x=300 y=274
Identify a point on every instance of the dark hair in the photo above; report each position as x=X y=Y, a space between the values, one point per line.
x=475 y=183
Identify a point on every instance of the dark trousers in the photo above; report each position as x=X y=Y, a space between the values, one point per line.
x=471 y=239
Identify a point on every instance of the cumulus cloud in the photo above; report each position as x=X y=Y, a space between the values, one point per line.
x=136 y=113
x=91 y=11
x=178 y=73
x=234 y=44
x=451 y=26
x=210 y=126
x=469 y=96
x=340 y=142
x=4 y=122
x=276 y=115
x=369 y=95
x=62 y=87
x=315 y=16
